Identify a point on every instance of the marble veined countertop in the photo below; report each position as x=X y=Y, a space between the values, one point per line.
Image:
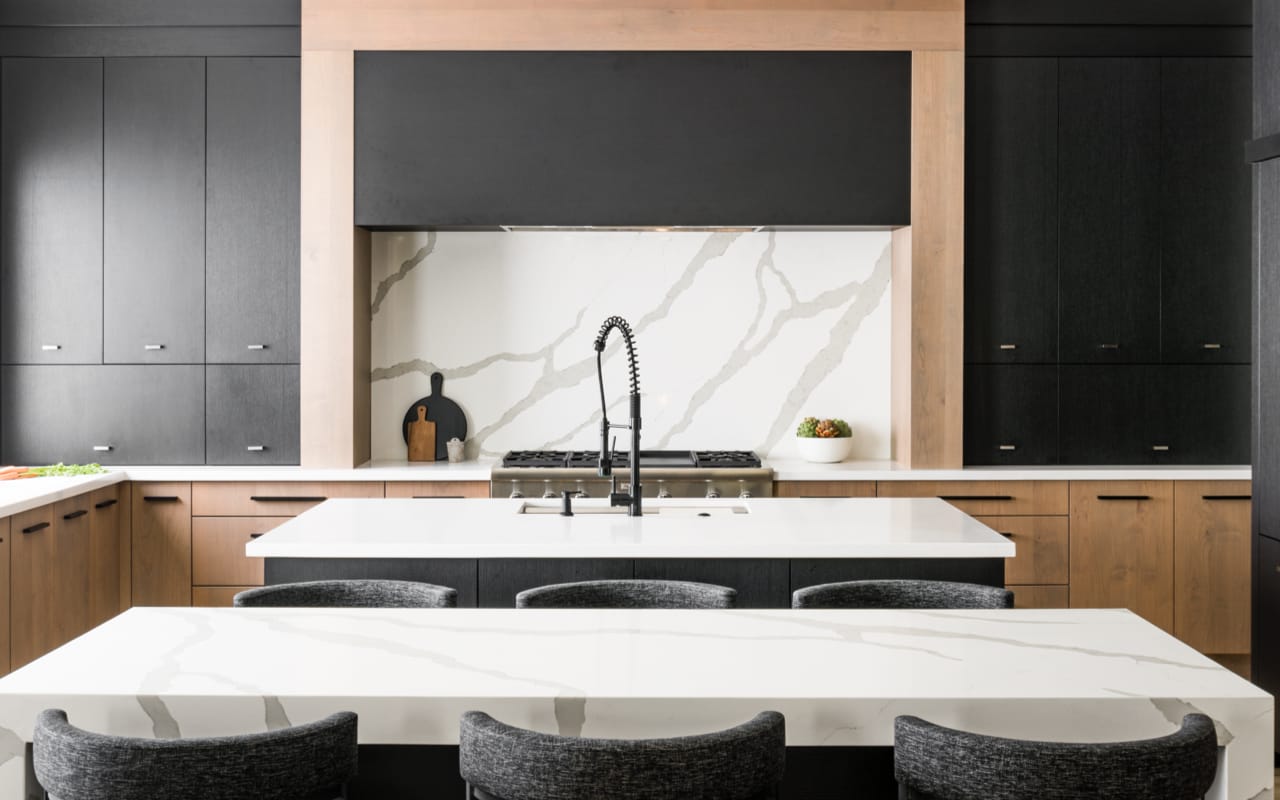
x=754 y=528
x=839 y=677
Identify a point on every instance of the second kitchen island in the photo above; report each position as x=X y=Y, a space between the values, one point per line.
x=489 y=550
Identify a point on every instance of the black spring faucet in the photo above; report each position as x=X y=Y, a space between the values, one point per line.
x=630 y=499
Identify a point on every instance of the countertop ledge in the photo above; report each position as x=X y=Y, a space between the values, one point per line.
x=797 y=470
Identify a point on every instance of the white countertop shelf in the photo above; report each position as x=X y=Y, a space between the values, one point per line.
x=770 y=528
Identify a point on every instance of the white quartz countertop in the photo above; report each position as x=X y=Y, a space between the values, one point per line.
x=23 y=495
x=770 y=528
x=839 y=677
x=796 y=470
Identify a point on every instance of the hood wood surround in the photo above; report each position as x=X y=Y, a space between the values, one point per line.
x=928 y=254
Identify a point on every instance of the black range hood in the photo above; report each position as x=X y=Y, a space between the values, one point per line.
x=632 y=140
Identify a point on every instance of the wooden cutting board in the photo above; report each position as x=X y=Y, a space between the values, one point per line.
x=422 y=437
x=450 y=421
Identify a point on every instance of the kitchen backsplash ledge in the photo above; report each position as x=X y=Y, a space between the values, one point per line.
x=739 y=335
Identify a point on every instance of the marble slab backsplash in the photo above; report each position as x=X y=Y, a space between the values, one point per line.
x=739 y=335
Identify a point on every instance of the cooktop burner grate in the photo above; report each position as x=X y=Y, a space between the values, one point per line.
x=670 y=459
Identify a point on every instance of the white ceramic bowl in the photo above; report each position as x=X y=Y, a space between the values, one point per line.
x=824 y=451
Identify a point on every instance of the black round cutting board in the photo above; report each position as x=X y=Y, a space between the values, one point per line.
x=446 y=414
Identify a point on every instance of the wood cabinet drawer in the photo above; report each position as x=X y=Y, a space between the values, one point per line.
x=215 y=596
x=1040 y=596
x=280 y=499
x=1212 y=541
x=1043 y=548
x=988 y=498
x=824 y=489
x=217 y=550
x=442 y=489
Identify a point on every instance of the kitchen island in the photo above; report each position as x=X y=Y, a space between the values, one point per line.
x=839 y=677
x=765 y=548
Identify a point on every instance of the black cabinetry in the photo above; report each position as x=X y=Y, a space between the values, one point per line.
x=1011 y=414
x=252 y=413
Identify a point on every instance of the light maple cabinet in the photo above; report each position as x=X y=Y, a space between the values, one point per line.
x=1122 y=547
x=217 y=550
x=987 y=498
x=273 y=499
x=215 y=596
x=161 y=544
x=1043 y=549
x=1041 y=596
x=1212 y=558
x=438 y=489
x=824 y=489
x=5 y=545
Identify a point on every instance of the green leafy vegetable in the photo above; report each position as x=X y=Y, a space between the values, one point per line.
x=61 y=470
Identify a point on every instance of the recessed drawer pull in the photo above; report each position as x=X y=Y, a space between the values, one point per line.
x=1005 y=534
x=102 y=448
x=1160 y=448
x=1226 y=497
x=1124 y=497
x=256 y=448
x=1008 y=347
x=285 y=499
x=50 y=347
x=106 y=503
x=1211 y=346
x=950 y=498
x=257 y=347
x=1008 y=447
x=153 y=347
x=39 y=526
x=161 y=498
x=1108 y=346
x=75 y=514
x=254 y=535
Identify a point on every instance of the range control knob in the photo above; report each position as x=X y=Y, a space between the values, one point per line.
x=743 y=492
x=663 y=492
x=547 y=492
x=712 y=492
x=516 y=494
x=581 y=491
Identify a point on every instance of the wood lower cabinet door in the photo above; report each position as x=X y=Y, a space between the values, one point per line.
x=824 y=489
x=5 y=544
x=438 y=489
x=50 y=578
x=105 y=553
x=215 y=596
x=275 y=499
x=1122 y=547
x=1212 y=565
x=161 y=544
x=1041 y=596
x=1043 y=549
x=217 y=550
x=987 y=498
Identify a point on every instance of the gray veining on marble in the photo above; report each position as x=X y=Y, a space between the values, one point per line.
x=571 y=715
x=275 y=717
x=163 y=724
x=384 y=286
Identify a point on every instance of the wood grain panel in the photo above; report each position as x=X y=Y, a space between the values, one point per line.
x=1040 y=596
x=104 y=554
x=217 y=550
x=5 y=547
x=824 y=489
x=1043 y=548
x=215 y=596
x=1212 y=565
x=49 y=578
x=476 y=489
x=1122 y=550
x=630 y=25
x=988 y=498
x=161 y=544
x=272 y=499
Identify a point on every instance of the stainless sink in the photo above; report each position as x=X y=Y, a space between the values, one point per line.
x=651 y=508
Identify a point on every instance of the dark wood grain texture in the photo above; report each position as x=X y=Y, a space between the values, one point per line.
x=249 y=407
x=1011 y=414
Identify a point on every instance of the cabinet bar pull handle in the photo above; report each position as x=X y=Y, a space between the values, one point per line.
x=254 y=535
x=1008 y=347
x=1212 y=346
x=256 y=448
x=1005 y=534
x=153 y=347
x=1160 y=448
x=50 y=347
x=257 y=347
x=1108 y=346
x=1226 y=497
x=161 y=498
x=102 y=448
x=1124 y=497
x=1008 y=447
x=75 y=514
x=285 y=499
x=953 y=497
x=39 y=526
x=105 y=504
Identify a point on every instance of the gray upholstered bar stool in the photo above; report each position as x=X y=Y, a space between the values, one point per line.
x=901 y=594
x=500 y=762
x=349 y=594
x=936 y=763
x=306 y=762
x=628 y=594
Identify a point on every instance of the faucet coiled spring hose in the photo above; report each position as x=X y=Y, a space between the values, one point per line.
x=627 y=337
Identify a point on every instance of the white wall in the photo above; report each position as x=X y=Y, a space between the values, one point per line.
x=739 y=335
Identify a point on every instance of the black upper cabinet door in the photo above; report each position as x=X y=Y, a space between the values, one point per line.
x=1107 y=414
x=153 y=265
x=252 y=414
x=1205 y=210
x=1201 y=415
x=634 y=138
x=1266 y=453
x=1011 y=210
x=1266 y=67
x=1109 y=268
x=252 y=248
x=51 y=210
x=1011 y=414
